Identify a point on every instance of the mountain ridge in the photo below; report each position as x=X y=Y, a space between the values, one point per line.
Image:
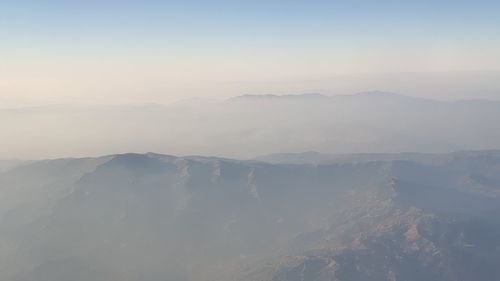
x=153 y=216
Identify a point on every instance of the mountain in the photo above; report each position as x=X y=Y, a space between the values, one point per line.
x=313 y=157
x=6 y=164
x=154 y=217
x=300 y=97
x=247 y=126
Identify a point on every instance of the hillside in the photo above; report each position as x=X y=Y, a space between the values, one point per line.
x=156 y=217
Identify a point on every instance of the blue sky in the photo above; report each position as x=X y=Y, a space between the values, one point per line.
x=166 y=44
x=263 y=23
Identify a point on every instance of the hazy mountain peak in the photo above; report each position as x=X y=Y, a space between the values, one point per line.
x=379 y=94
x=365 y=122
x=255 y=97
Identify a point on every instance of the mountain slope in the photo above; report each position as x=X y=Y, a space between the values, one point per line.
x=157 y=217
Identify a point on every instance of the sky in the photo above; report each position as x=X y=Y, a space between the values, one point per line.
x=150 y=51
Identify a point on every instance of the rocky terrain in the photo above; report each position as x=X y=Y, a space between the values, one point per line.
x=155 y=217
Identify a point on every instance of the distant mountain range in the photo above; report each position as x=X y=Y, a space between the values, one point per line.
x=313 y=157
x=6 y=164
x=314 y=96
x=252 y=125
x=311 y=216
